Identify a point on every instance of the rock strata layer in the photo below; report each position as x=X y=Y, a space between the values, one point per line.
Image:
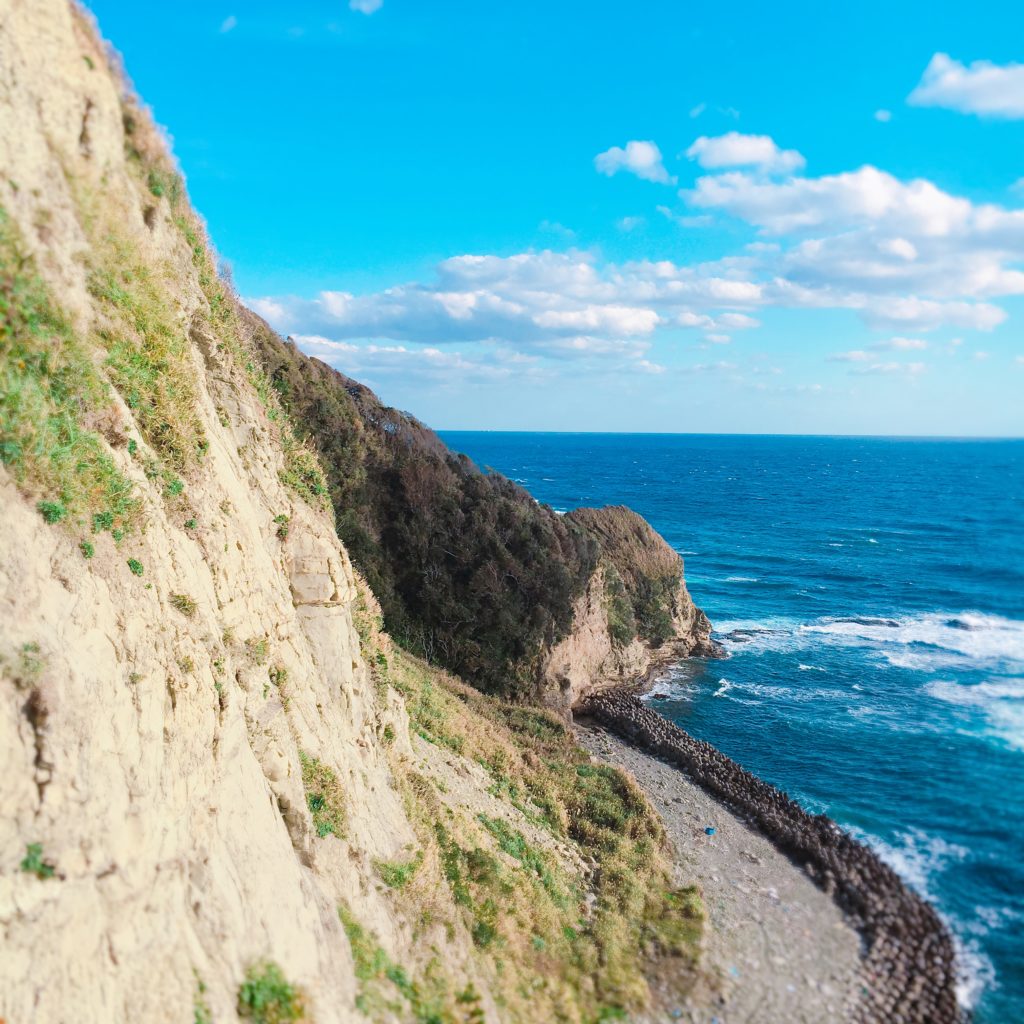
x=908 y=974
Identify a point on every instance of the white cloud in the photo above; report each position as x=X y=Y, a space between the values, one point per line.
x=737 y=150
x=630 y=223
x=908 y=369
x=899 y=344
x=228 y=23
x=365 y=6
x=981 y=356
x=982 y=88
x=698 y=110
x=640 y=158
x=718 y=339
x=864 y=196
x=885 y=116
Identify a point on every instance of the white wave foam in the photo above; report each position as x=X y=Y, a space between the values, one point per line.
x=915 y=856
x=1000 y=700
x=724 y=686
x=811 y=668
x=742 y=579
x=972 y=636
x=918 y=858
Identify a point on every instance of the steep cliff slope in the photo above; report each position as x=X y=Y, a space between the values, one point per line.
x=471 y=571
x=226 y=793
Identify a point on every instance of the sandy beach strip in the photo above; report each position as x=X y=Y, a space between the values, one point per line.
x=777 y=948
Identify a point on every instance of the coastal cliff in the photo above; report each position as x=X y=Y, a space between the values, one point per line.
x=470 y=571
x=227 y=792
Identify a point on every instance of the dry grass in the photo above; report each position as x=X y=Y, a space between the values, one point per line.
x=568 y=895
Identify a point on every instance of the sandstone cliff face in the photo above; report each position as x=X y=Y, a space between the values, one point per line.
x=206 y=760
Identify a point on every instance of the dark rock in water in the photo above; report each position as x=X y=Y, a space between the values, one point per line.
x=908 y=970
x=660 y=695
x=857 y=620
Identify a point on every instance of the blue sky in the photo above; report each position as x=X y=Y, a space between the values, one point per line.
x=580 y=216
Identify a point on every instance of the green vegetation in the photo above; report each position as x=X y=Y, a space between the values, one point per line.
x=469 y=570
x=642 y=564
x=385 y=987
x=148 y=356
x=34 y=864
x=87 y=548
x=266 y=997
x=135 y=566
x=51 y=511
x=282 y=526
x=258 y=649
x=398 y=874
x=324 y=796
x=190 y=524
x=621 y=617
x=201 y=1013
x=184 y=604
x=49 y=390
x=522 y=904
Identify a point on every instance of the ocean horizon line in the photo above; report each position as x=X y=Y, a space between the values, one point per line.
x=765 y=434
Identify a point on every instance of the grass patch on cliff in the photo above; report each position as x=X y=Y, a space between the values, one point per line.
x=324 y=797
x=387 y=988
x=148 y=352
x=51 y=394
x=267 y=997
x=574 y=933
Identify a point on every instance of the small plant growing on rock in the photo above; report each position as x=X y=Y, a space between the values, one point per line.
x=135 y=566
x=184 y=604
x=266 y=997
x=398 y=874
x=278 y=675
x=258 y=649
x=282 y=526
x=34 y=864
x=87 y=549
x=323 y=796
x=51 y=511
x=190 y=524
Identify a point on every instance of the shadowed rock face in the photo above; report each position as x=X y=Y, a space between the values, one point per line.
x=908 y=972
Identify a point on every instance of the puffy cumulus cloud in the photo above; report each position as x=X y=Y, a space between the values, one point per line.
x=640 y=158
x=365 y=6
x=737 y=150
x=982 y=88
x=838 y=201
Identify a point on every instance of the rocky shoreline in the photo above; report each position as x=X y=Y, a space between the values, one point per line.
x=908 y=972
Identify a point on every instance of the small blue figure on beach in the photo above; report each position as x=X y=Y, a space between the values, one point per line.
x=709 y=831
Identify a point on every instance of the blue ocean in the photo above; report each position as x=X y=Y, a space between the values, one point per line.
x=870 y=595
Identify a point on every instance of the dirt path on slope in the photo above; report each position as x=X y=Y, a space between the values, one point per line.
x=777 y=948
